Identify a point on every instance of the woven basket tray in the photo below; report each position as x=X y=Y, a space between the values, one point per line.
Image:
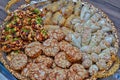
x=40 y=4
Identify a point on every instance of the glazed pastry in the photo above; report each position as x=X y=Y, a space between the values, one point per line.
x=47 y=61
x=68 y=9
x=86 y=49
x=77 y=72
x=51 y=47
x=74 y=38
x=93 y=69
x=65 y=46
x=110 y=39
x=94 y=57
x=101 y=64
x=73 y=54
x=68 y=21
x=66 y=30
x=47 y=18
x=96 y=49
x=51 y=27
x=56 y=34
x=61 y=60
x=18 y=62
x=103 y=45
x=78 y=28
x=34 y=49
x=58 y=19
x=77 y=8
x=87 y=11
x=87 y=63
x=86 y=56
x=55 y=6
x=95 y=40
x=86 y=36
x=105 y=56
x=63 y=40
x=57 y=73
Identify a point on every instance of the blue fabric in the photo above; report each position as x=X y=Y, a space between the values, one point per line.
x=6 y=73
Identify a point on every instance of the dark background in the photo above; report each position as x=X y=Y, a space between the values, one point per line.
x=110 y=7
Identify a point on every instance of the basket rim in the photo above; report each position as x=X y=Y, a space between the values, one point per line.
x=17 y=75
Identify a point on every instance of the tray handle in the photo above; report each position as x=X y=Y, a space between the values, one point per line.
x=12 y=2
